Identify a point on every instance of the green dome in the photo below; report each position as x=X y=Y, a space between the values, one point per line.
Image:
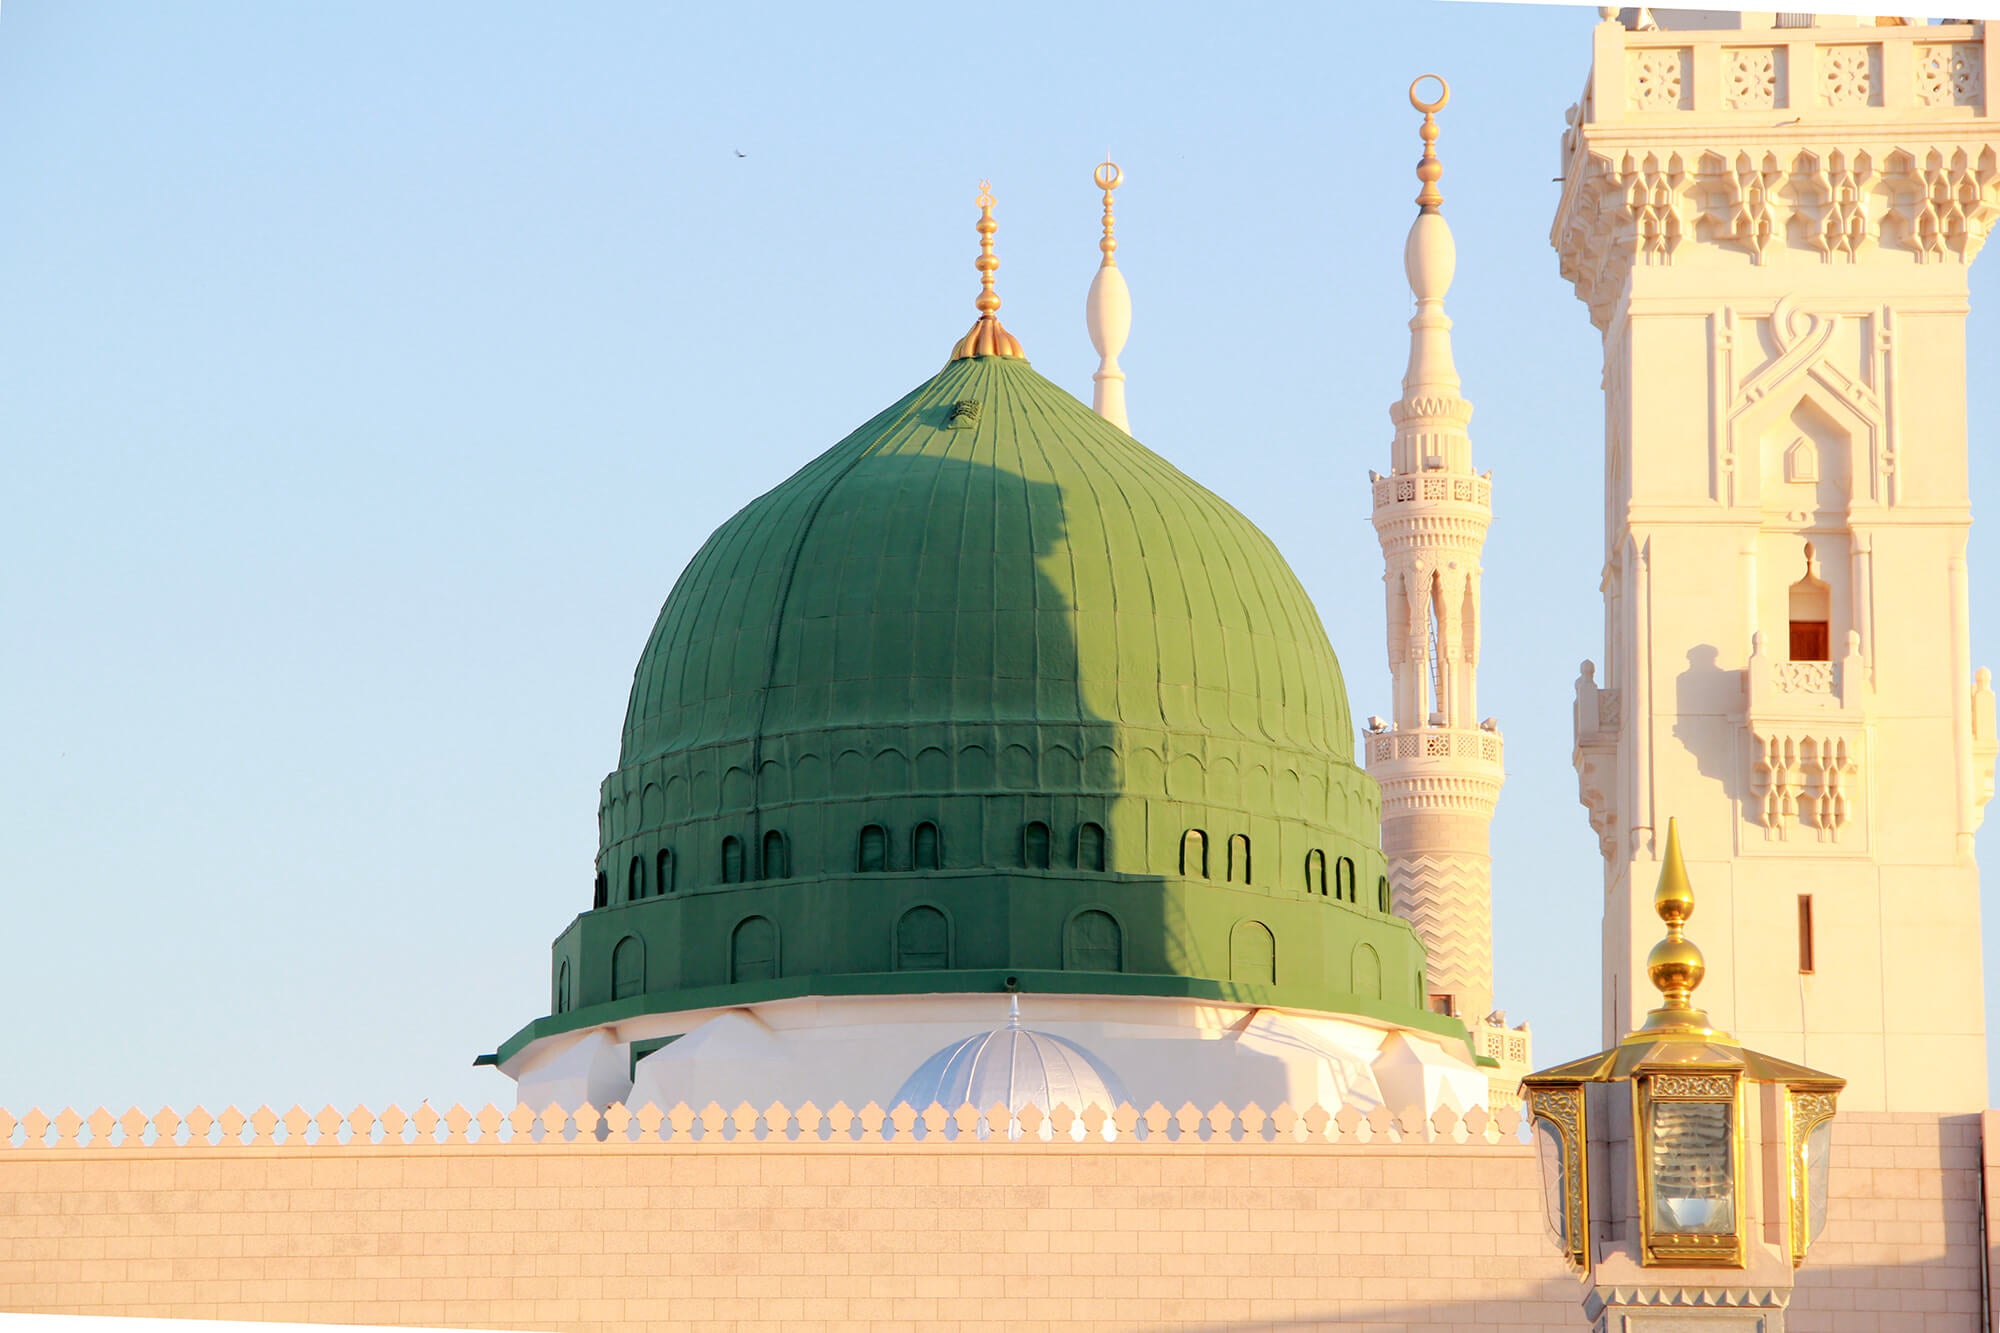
x=987 y=692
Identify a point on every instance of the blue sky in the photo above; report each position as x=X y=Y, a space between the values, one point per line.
x=370 y=371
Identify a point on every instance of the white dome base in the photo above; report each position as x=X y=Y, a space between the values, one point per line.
x=861 y=1049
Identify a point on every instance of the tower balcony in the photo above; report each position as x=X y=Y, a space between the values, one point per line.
x=1824 y=145
x=1404 y=488
x=1424 y=769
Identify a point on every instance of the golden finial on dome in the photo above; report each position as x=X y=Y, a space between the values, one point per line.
x=1675 y=964
x=1429 y=169
x=987 y=337
x=1108 y=178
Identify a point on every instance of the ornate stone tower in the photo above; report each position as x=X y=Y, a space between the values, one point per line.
x=1439 y=769
x=1772 y=226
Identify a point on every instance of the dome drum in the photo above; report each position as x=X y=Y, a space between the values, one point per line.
x=1041 y=931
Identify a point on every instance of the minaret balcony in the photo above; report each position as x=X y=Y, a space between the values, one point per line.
x=1433 y=487
x=1436 y=768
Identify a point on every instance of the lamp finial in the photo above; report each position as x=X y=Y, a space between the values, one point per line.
x=1675 y=965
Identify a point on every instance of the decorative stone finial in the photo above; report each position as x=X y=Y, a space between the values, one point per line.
x=1675 y=964
x=1108 y=310
x=1429 y=169
x=987 y=337
x=1430 y=257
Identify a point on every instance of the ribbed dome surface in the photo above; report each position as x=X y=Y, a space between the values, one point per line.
x=987 y=696
x=1033 y=563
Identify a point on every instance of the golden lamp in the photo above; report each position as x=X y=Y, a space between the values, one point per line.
x=1678 y=1147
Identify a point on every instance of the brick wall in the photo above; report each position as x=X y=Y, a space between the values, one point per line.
x=939 y=1234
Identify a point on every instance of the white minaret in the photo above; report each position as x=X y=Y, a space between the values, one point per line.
x=1439 y=768
x=1108 y=310
x=1772 y=223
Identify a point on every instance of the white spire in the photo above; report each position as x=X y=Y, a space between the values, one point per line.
x=1108 y=310
x=1430 y=257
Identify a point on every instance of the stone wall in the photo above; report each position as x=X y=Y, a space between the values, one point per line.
x=880 y=1229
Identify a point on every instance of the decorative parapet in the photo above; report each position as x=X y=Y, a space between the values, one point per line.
x=1807 y=728
x=1513 y=1049
x=1436 y=768
x=617 y=1126
x=1833 y=143
x=1433 y=487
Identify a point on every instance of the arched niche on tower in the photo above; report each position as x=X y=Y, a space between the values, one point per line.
x=1804 y=565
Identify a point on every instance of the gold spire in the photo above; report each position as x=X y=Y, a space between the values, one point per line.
x=1675 y=964
x=1108 y=178
x=987 y=337
x=1429 y=199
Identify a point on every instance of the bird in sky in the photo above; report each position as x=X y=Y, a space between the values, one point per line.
x=741 y=153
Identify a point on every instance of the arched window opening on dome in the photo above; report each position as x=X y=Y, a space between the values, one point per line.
x=1253 y=954
x=1811 y=608
x=635 y=880
x=777 y=856
x=562 y=987
x=923 y=941
x=628 y=968
x=663 y=871
x=732 y=860
x=924 y=847
x=1239 y=858
x=1090 y=847
x=872 y=856
x=1367 y=972
x=1316 y=872
x=1344 y=886
x=753 y=950
x=600 y=893
x=1094 y=942
x=1385 y=902
x=1194 y=854
x=1035 y=845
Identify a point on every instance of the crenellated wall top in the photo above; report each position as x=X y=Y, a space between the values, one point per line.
x=620 y=1126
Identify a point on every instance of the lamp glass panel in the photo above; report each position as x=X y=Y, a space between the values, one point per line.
x=1693 y=1184
x=1549 y=1158
x=1819 y=1152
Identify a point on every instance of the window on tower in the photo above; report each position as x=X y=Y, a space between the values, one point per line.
x=1811 y=602
x=1805 y=934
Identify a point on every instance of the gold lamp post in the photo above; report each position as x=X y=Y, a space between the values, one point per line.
x=1679 y=1149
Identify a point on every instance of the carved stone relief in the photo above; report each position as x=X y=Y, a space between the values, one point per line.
x=1750 y=78
x=1805 y=779
x=1640 y=207
x=1658 y=78
x=1850 y=75
x=1952 y=74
